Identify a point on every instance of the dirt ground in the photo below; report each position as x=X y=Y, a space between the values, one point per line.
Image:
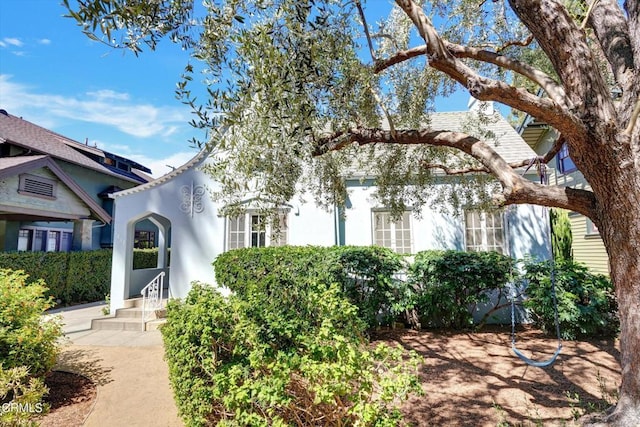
x=474 y=379
x=469 y=379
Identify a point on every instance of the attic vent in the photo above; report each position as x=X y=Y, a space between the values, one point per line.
x=34 y=185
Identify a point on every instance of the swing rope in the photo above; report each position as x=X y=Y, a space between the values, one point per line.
x=525 y=359
x=542 y=172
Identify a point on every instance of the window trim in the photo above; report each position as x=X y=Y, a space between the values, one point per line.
x=22 y=186
x=392 y=230
x=591 y=229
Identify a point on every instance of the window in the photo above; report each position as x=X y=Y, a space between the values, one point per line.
x=484 y=231
x=395 y=235
x=144 y=239
x=38 y=186
x=592 y=229
x=42 y=239
x=565 y=164
x=251 y=230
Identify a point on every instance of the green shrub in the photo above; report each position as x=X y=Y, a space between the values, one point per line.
x=26 y=339
x=89 y=275
x=21 y=397
x=367 y=278
x=280 y=355
x=365 y=274
x=561 y=236
x=145 y=258
x=586 y=301
x=446 y=286
x=71 y=277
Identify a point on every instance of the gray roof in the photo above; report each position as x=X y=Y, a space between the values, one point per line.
x=20 y=132
x=506 y=140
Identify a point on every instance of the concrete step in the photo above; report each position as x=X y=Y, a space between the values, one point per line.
x=153 y=325
x=117 y=324
x=136 y=313
x=137 y=302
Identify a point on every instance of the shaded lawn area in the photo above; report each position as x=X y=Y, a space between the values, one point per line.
x=474 y=379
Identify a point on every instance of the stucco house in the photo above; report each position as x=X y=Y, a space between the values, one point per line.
x=587 y=245
x=54 y=191
x=196 y=230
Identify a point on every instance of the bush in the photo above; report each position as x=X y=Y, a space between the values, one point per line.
x=28 y=346
x=71 y=277
x=25 y=338
x=21 y=396
x=446 y=286
x=586 y=301
x=365 y=274
x=279 y=355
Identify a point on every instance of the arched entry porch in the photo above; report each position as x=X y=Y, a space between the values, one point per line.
x=135 y=279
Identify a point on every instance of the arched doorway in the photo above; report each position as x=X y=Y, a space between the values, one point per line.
x=149 y=235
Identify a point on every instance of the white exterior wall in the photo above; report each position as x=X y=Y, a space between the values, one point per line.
x=526 y=227
x=311 y=225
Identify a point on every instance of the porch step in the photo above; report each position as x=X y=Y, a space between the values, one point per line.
x=117 y=324
x=129 y=318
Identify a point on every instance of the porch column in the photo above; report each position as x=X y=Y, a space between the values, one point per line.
x=82 y=235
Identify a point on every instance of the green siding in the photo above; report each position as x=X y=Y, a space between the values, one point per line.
x=588 y=249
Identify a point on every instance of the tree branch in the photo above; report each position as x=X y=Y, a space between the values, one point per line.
x=610 y=28
x=485 y=89
x=634 y=119
x=516 y=189
x=553 y=89
x=526 y=42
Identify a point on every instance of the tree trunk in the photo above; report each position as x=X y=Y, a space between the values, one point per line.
x=620 y=229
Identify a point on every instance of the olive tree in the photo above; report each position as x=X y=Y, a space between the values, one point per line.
x=309 y=87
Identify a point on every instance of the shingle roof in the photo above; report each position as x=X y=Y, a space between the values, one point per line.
x=506 y=140
x=25 y=134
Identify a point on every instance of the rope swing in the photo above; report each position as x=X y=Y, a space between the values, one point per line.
x=542 y=172
x=525 y=359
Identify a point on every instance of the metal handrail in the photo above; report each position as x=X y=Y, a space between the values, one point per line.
x=152 y=296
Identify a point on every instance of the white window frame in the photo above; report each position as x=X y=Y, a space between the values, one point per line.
x=51 y=239
x=240 y=231
x=487 y=231
x=391 y=241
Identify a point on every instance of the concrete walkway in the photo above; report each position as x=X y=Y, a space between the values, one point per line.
x=128 y=367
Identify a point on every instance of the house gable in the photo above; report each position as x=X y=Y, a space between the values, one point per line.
x=35 y=187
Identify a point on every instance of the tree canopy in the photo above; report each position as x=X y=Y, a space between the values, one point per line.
x=306 y=87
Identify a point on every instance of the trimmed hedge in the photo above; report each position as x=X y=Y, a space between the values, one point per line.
x=365 y=274
x=446 y=286
x=587 y=305
x=74 y=277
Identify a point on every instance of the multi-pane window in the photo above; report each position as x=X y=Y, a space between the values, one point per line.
x=144 y=239
x=43 y=239
x=565 y=164
x=392 y=234
x=236 y=232
x=484 y=231
x=252 y=230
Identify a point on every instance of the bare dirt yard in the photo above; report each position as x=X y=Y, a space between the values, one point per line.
x=474 y=379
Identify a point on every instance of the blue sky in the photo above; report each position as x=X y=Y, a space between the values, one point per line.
x=54 y=76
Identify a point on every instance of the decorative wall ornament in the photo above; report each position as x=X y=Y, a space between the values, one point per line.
x=192 y=199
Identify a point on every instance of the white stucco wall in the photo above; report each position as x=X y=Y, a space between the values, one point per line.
x=526 y=227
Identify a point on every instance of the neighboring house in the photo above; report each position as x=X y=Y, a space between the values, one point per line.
x=54 y=192
x=180 y=206
x=587 y=245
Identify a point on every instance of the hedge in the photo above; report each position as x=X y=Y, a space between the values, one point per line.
x=73 y=277
x=365 y=274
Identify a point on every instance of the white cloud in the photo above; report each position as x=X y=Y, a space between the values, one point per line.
x=44 y=41
x=11 y=41
x=104 y=107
